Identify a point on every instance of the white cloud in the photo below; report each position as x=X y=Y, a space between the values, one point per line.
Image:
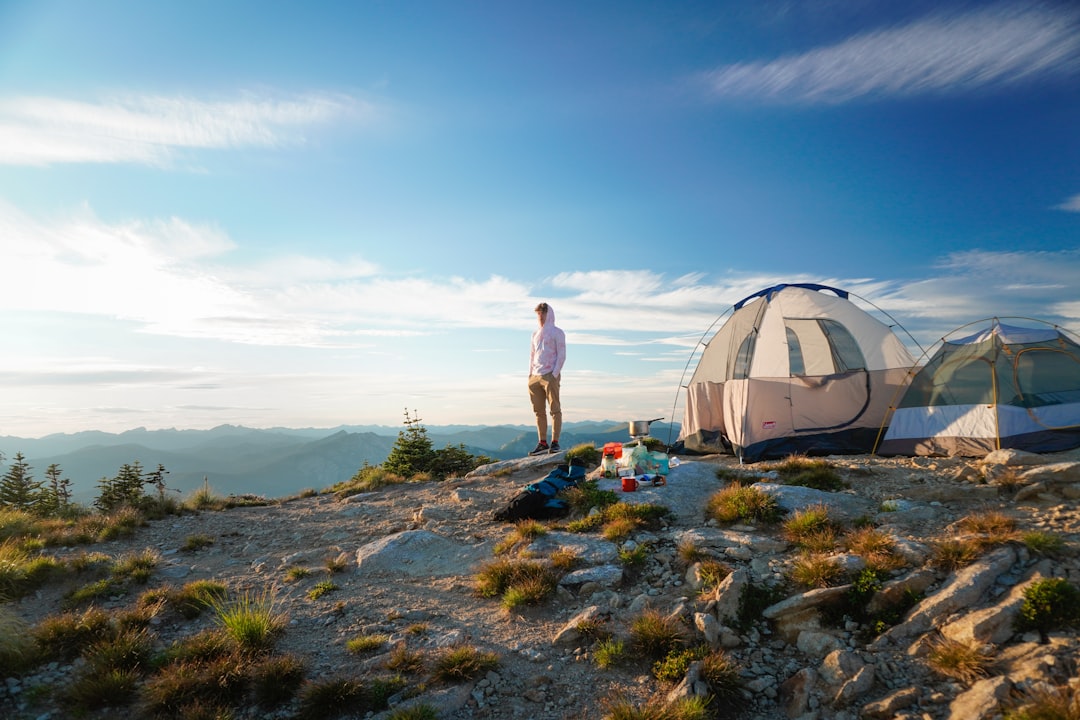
x=149 y=129
x=172 y=278
x=977 y=284
x=1000 y=44
x=1070 y=205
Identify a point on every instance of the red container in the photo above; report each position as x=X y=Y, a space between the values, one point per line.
x=629 y=484
x=614 y=449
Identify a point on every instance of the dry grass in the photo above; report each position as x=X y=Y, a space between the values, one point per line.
x=874 y=546
x=994 y=526
x=965 y=662
x=814 y=570
x=953 y=554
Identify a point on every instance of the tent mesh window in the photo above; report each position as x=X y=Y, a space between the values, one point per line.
x=821 y=347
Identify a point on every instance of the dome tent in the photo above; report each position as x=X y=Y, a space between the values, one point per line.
x=1002 y=386
x=796 y=368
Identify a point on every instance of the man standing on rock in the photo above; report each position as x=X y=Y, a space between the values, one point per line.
x=546 y=360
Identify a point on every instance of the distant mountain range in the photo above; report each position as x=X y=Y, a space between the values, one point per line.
x=275 y=462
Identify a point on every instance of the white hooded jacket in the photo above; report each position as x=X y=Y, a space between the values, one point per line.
x=548 y=347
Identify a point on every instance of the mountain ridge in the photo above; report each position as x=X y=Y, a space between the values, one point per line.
x=272 y=462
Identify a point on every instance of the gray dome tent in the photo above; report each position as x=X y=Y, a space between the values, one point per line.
x=1001 y=386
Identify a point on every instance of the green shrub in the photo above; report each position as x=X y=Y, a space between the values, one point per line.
x=609 y=653
x=814 y=570
x=1044 y=543
x=586 y=453
x=673 y=666
x=809 y=523
x=587 y=495
x=1049 y=604
x=366 y=643
x=964 y=661
x=194 y=543
x=752 y=603
x=321 y=588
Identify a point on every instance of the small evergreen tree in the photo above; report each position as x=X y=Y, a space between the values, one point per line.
x=124 y=489
x=18 y=489
x=56 y=495
x=455 y=461
x=412 y=453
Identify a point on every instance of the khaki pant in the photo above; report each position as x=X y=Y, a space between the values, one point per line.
x=544 y=390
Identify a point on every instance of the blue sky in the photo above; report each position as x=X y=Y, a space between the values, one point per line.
x=313 y=214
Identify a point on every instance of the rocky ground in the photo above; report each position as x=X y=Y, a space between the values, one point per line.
x=413 y=551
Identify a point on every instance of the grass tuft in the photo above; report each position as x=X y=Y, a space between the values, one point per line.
x=814 y=570
x=654 y=635
x=366 y=643
x=517 y=581
x=963 y=661
x=250 y=620
x=740 y=502
x=812 y=473
x=464 y=662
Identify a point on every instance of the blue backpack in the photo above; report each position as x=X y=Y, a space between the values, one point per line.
x=539 y=500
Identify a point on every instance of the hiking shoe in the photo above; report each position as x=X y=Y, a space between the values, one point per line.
x=541 y=448
x=554 y=447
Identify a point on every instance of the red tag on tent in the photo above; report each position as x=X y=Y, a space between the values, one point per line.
x=768 y=425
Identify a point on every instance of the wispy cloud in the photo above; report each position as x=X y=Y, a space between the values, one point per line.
x=1070 y=205
x=150 y=129
x=1001 y=44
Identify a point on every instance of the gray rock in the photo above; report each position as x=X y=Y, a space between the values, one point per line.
x=1012 y=458
x=993 y=624
x=796 y=604
x=728 y=593
x=1053 y=474
x=795 y=692
x=896 y=592
x=569 y=635
x=707 y=625
x=817 y=644
x=853 y=689
x=888 y=706
x=721 y=539
x=982 y=700
x=419 y=553
x=794 y=497
x=603 y=575
x=839 y=666
x=589 y=549
x=964 y=589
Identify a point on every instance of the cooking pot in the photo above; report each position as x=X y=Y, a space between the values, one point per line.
x=641 y=427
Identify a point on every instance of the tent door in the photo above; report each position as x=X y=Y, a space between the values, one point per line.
x=828 y=402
